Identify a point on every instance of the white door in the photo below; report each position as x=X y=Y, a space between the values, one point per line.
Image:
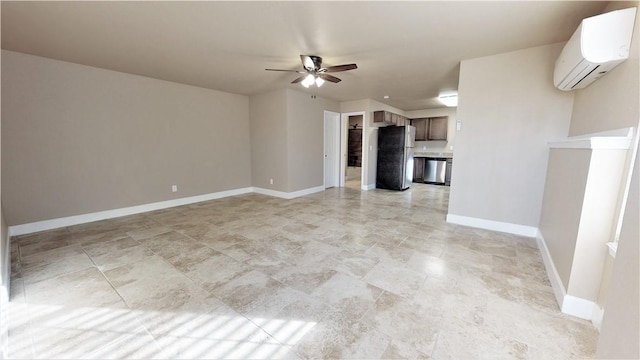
x=331 y=149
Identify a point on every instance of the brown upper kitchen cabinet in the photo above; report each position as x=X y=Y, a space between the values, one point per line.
x=421 y=128
x=382 y=116
x=389 y=118
x=438 y=128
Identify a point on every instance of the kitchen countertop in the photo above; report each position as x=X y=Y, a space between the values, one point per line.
x=433 y=154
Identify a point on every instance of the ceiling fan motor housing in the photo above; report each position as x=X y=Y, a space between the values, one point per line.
x=311 y=62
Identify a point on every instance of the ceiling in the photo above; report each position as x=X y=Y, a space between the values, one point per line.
x=409 y=51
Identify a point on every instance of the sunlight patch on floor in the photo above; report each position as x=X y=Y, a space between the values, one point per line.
x=51 y=331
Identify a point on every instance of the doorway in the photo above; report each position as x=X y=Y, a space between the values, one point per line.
x=352 y=143
x=354 y=152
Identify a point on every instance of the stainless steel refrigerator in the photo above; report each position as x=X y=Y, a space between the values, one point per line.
x=395 y=157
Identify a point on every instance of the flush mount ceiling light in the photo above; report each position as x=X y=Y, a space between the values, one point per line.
x=449 y=99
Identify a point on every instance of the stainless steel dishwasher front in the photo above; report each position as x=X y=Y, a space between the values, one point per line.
x=435 y=170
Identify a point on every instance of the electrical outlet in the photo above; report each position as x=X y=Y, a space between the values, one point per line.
x=174 y=188
x=271 y=181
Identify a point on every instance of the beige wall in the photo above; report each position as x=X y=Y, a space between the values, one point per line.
x=620 y=330
x=269 y=140
x=305 y=126
x=509 y=110
x=580 y=196
x=287 y=139
x=78 y=139
x=5 y=270
x=562 y=206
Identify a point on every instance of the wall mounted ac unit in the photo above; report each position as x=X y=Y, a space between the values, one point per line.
x=598 y=45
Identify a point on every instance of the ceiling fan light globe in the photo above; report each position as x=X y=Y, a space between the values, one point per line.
x=308 y=81
x=319 y=81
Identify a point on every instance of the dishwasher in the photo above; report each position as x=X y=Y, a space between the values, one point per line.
x=435 y=170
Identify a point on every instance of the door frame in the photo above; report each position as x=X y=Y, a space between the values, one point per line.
x=336 y=134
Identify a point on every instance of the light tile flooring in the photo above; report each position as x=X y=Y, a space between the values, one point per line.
x=354 y=178
x=338 y=274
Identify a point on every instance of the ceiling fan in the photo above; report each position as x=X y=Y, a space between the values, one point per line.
x=315 y=73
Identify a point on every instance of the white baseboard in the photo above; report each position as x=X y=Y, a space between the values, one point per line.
x=569 y=304
x=4 y=321
x=5 y=271
x=522 y=230
x=578 y=307
x=269 y=192
x=286 y=195
x=598 y=315
x=368 y=187
x=110 y=214
x=552 y=273
x=5 y=287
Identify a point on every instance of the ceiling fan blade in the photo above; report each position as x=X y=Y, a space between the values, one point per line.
x=298 y=79
x=328 y=77
x=284 y=70
x=338 y=68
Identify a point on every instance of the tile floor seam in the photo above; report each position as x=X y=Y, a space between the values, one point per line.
x=166 y=261
x=55 y=277
x=271 y=336
x=154 y=220
x=108 y=281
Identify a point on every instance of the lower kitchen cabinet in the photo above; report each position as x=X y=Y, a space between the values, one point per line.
x=418 y=169
x=447 y=173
